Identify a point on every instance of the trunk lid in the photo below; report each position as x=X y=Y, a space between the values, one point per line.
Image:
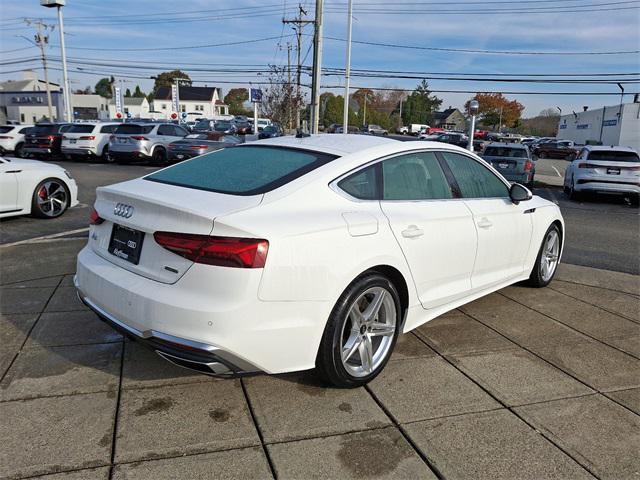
x=144 y=206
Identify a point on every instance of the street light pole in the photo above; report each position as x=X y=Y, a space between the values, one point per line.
x=67 y=90
x=474 y=106
x=347 y=77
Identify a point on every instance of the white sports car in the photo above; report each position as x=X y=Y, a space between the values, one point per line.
x=294 y=253
x=32 y=187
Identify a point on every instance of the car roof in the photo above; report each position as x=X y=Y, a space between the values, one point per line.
x=338 y=144
x=618 y=148
x=510 y=145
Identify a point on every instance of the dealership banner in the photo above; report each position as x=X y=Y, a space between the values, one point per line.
x=175 y=101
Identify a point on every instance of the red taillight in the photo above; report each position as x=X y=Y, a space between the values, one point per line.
x=587 y=165
x=198 y=147
x=139 y=137
x=220 y=251
x=94 y=217
x=528 y=165
x=51 y=138
x=88 y=137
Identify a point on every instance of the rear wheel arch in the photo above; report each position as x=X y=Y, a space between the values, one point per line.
x=397 y=279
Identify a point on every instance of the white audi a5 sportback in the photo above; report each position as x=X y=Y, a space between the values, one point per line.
x=293 y=253
x=32 y=187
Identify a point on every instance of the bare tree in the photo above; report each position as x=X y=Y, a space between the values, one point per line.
x=280 y=101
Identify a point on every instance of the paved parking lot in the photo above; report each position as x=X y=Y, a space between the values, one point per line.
x=521 y=384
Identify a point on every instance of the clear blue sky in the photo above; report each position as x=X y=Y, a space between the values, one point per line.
x=101 y=24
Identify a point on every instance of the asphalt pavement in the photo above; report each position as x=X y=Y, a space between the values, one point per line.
x=602 y=232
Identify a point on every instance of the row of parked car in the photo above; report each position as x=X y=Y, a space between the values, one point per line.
x=155 y=142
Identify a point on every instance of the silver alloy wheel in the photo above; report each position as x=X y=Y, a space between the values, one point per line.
x=52 y=198
x=550 y=254
x=368 y=332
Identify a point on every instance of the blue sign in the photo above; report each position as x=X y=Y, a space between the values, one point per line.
x=184 y=114
x=610 y=123
x=128 y=114
x=256 y=95
x=582 y=126
x=563 y=126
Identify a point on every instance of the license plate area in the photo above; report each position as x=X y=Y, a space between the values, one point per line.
x=126 y=243
x=73 y=140
x=123 y=140
x=613 y=171
x=503 y=165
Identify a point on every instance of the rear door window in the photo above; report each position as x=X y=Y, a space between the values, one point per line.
x=362 y=185
x=250 y=170
x=166 y=130
x=416 y=176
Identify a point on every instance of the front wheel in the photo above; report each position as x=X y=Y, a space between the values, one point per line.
x=547 y=259
x=50 y=199
x=360 y=333
x=159 y=157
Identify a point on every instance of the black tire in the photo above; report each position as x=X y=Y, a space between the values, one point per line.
x=573 y=194
x=37 y=209
x=536 y=278
x=542 y=155
x=159 y=156
x=329 y=366
x=105 y=157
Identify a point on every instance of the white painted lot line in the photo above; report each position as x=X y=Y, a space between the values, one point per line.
x=45 y=237
x=556 y=171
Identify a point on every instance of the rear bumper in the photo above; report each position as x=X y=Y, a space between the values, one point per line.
x=39 y=150
x=87 y=151
x=606 y=185
x=209 y=320
x=518 y=177
x=128 y=156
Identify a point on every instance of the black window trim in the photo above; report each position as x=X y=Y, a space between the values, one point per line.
x=323 y=159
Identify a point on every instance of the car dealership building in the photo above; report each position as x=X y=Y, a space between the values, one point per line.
x=611 y=125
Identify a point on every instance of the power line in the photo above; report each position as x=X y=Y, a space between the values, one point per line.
x=489 y=52
x=478 y=91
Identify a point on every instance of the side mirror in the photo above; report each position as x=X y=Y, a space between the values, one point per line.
x=519 y=193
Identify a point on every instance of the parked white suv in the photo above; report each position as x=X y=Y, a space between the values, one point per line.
x=12 y=138
x=603 y=169
x=88 y=140
x=133 y=142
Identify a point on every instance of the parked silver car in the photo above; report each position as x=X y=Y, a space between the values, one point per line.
x=133 y=142
x=512 y=160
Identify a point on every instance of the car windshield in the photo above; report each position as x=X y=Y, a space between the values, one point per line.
x=614 y=156
x=202 y=125
x=270 y=129
x=133 y=129
x=78 y=128
x=222 y=126
x=6 y=129
x=250 y=170
x=505 y=152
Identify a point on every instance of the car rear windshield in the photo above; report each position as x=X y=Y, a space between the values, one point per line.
x=6 y=129
x=505 y=152
x=250 y=170
x=81 y=129
x=44 y=129
x=614 y=156
x=202 y=125
x=129 y=129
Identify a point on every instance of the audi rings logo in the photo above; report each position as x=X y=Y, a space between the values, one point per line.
x=123 y=210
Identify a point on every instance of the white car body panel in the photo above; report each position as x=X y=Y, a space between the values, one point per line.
x=19 y=179
x=320 y=240
x=79 y=144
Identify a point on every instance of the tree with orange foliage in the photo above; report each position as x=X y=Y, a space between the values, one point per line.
x=493 y=106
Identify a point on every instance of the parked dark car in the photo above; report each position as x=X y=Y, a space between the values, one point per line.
x=45 y=139
x=271 y=131
x=225 y=126
x=560 y=149
x=243 y=127
x=197 y=144
x=453 y=138
x=512 y=160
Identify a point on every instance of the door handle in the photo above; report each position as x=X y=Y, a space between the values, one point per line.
x=485 y=223
x=412 y=232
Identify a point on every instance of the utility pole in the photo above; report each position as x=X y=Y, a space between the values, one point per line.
x=289 y=89
x=299 y=24
x=347 y=75
x=41 y=40
x=317 y=68
x=67 y=89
